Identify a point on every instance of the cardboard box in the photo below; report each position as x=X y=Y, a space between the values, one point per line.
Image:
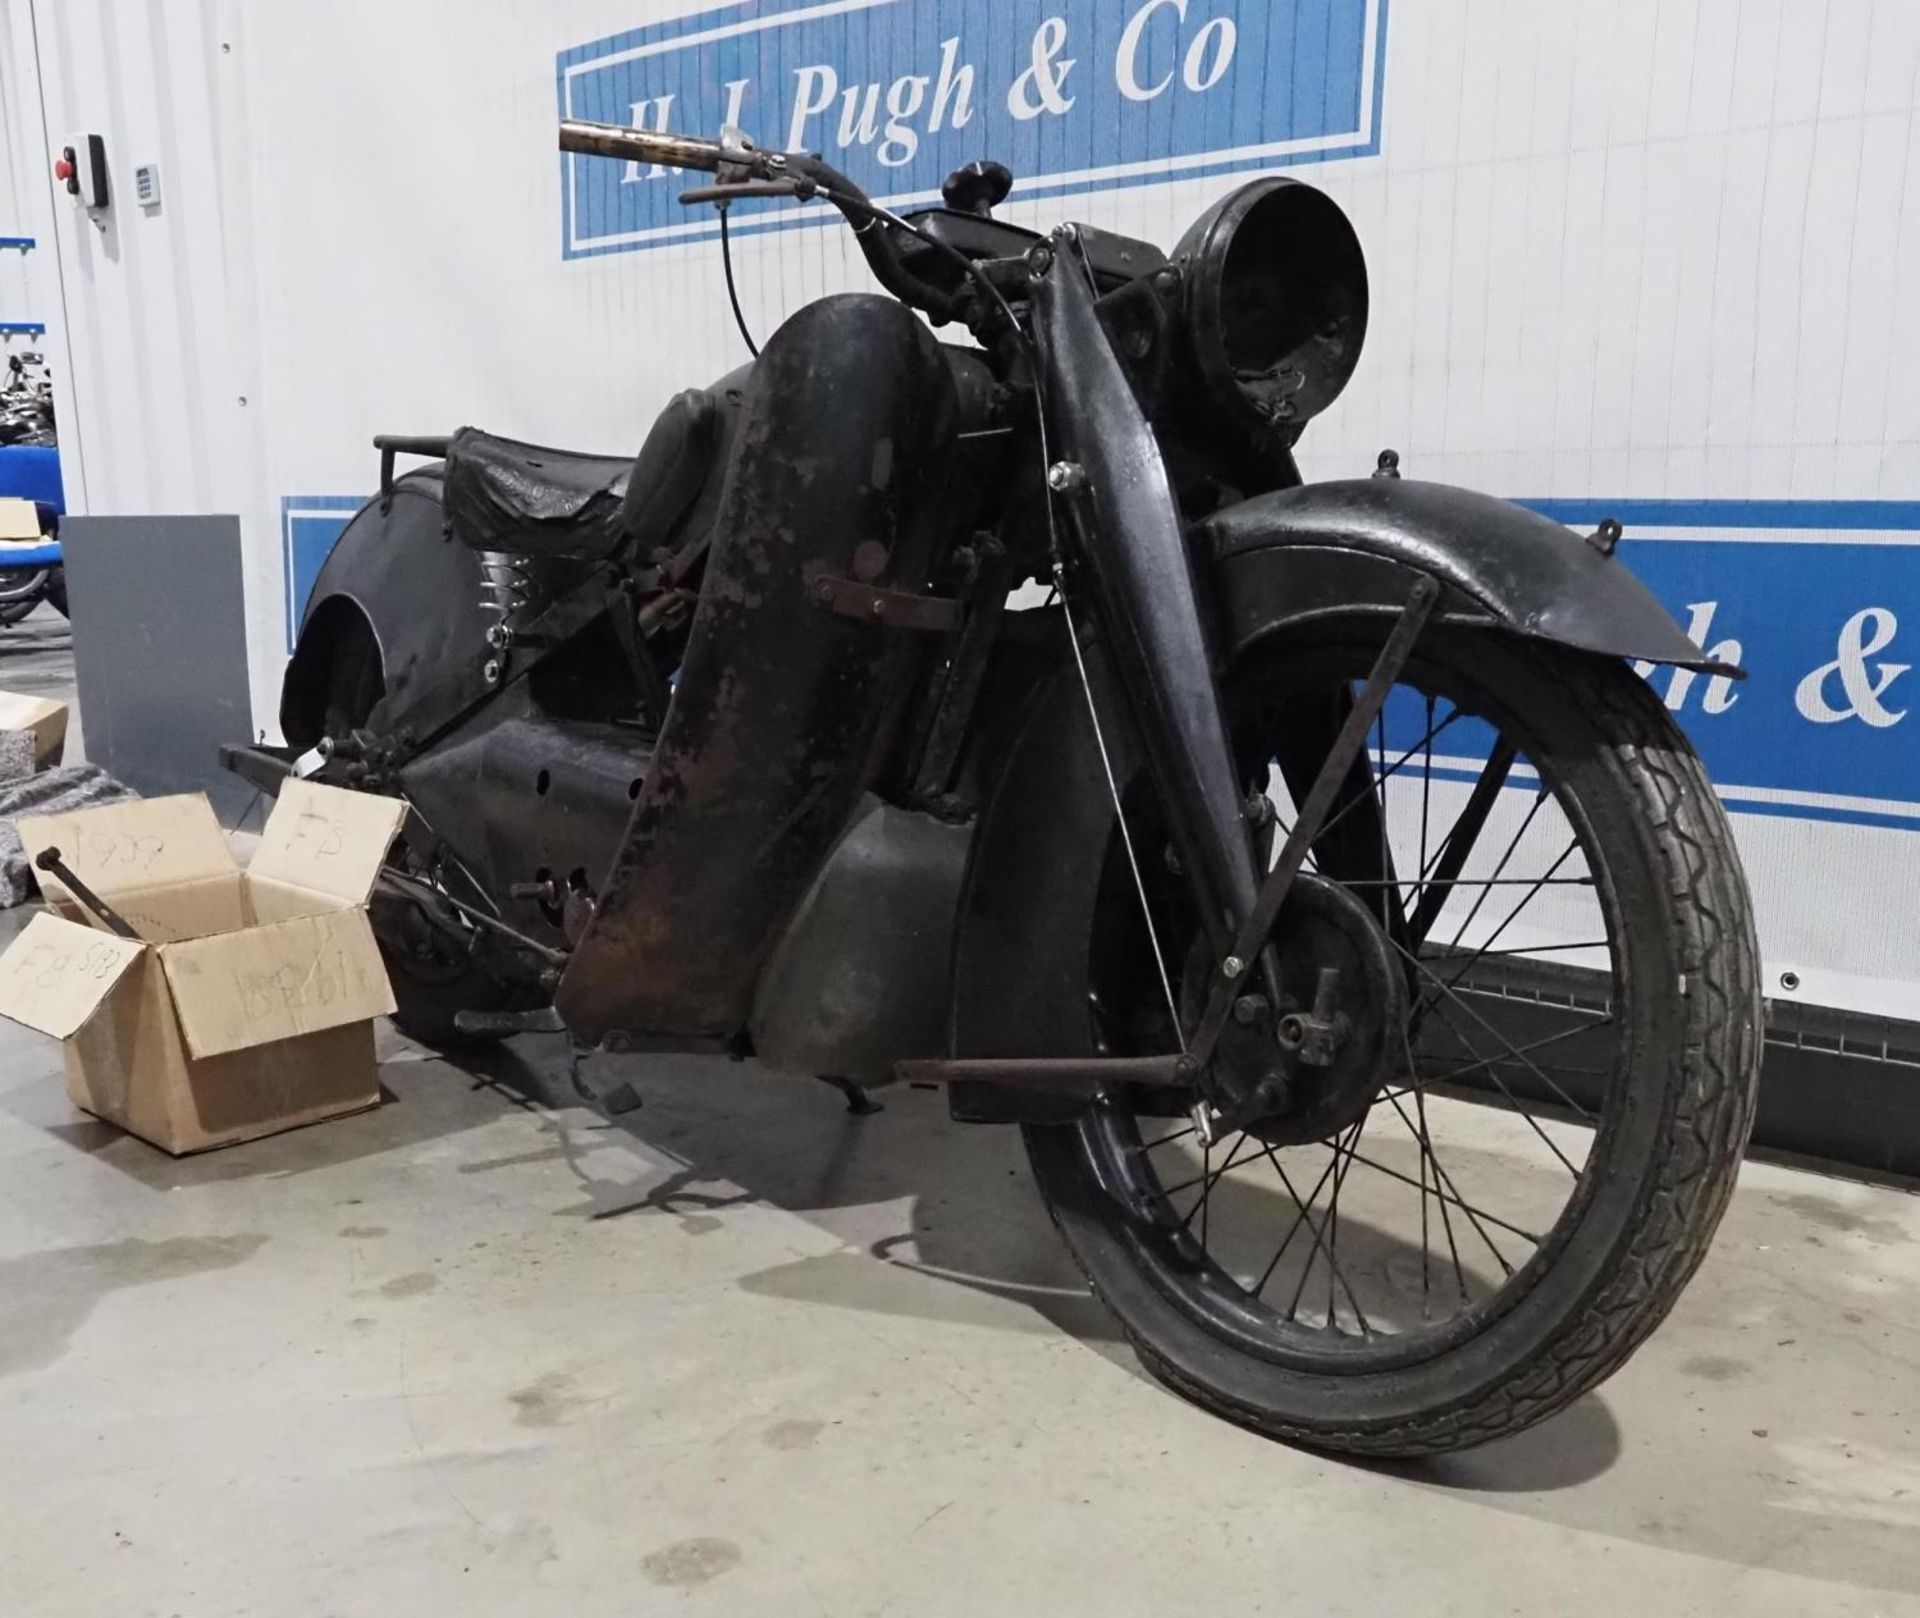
x=45 y=719
x=19 y=519
x=246 y=1004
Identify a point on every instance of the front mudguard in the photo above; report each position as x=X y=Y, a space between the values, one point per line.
x=1332 y=549
x=1278 y=563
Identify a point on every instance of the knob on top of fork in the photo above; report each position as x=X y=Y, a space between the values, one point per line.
x=978 y=188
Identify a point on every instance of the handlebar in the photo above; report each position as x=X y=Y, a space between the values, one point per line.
x=669 y=151
x=806 y=175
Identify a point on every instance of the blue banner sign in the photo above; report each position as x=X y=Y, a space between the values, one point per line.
x=1819 y=600
x=309 y=525
x=1072 y=95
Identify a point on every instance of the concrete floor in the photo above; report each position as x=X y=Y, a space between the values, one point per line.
x=484 y=1352
x=478 y=1353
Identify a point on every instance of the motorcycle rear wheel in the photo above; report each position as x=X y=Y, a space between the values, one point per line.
x=1647 y=1151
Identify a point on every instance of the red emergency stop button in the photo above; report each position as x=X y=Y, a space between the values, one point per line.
x=63 y=170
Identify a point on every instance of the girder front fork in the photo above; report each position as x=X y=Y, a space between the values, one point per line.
x=1127 y=531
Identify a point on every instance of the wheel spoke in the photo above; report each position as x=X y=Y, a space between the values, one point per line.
x=1481 y=882
x=1446 y=1221
x=1538 y=949
x=1452 y=859
x=1527 y=1049
x=1460 y=1202
x=1394 y=769
x=1320 y=1247
x=1526 y=899
x=1294 y=1229
x=1440 y=1177
x=1333 y=1224
x=1211 y=1178
x=1513 y=1050
x=1539 y=799
x=1446 y=1199
x=1513 y=1100
x=1426 y=801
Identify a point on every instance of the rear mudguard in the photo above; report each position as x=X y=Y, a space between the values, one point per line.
x=396 y=577
x=783 y=706
x=1278 y=563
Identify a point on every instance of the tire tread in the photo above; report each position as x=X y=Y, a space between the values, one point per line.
x=1711 y=1107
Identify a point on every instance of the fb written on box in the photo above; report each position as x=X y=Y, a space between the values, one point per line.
x=246 y=1003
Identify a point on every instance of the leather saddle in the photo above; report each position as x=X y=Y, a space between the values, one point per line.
x=529 y=500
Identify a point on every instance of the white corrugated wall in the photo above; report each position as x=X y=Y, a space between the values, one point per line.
x=1651 y=251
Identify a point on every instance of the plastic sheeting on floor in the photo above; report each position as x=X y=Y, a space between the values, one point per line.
x=71 y=786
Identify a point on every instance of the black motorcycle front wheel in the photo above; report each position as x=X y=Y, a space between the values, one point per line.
x=1501 y=1183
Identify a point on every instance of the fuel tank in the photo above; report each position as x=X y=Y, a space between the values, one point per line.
x=783 y=706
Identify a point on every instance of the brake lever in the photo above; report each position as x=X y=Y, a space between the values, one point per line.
x=723 y=194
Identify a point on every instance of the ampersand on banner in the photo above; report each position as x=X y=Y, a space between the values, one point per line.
x=1037 y=90
x=1868 y=631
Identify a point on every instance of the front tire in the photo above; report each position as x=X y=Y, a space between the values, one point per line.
x=1672 y=1091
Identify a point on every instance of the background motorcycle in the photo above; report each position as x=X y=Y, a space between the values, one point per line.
x=1297 y=815
x=30 y=574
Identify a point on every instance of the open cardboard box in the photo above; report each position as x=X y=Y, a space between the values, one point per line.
x=245 y=1005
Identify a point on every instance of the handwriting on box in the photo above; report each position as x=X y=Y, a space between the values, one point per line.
x=46 y=965
x=292 y=988
x=104 y=851
x=317 y=834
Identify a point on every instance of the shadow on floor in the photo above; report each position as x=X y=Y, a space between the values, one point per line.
x=973 y=1220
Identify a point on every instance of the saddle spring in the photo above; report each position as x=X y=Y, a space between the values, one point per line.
x=505 y=585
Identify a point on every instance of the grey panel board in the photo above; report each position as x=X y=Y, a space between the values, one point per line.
x=160 y=650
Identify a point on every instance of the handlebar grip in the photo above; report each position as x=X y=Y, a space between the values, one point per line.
x=640 y=145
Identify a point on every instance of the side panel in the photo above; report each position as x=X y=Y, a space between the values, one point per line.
x=782 y=707
x=859 y=980
x=521 y=796
x=1020 y=960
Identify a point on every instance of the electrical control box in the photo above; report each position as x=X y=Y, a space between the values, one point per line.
x=82 y=168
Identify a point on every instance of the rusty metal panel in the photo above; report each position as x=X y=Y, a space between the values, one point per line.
x=782 y=704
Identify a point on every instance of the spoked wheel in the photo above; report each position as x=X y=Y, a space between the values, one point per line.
x=434 y=978
x=19 y=595
x=1530 y=1073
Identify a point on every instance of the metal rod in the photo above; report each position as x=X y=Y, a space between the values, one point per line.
x=1043 y=1071
x=49 y=860
x=1436 y=890
x=1352 y=737
x=479 y=918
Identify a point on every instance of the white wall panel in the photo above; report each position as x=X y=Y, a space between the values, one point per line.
x=1651 y=251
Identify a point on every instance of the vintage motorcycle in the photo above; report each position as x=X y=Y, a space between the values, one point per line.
x=31 y=571
x=1355 y=937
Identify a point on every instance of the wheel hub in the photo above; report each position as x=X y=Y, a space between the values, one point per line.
x=1314 y=1063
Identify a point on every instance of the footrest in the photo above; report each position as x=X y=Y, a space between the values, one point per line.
x=500 y=1024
